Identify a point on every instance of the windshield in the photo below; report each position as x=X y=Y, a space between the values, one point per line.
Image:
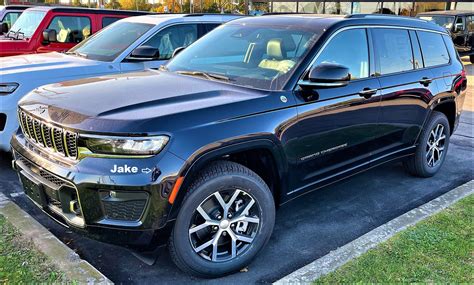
x=443 y=21
x=110 y=42
x=27 y=23
x=256 y=56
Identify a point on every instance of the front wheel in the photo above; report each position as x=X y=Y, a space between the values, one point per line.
x=226 y=218
x=432 y=148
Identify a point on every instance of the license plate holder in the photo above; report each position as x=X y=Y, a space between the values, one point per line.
x=33 y=189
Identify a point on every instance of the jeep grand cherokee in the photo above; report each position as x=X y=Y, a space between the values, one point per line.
x=257 y=112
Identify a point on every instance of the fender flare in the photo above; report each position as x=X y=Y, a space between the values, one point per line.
x=204 y=155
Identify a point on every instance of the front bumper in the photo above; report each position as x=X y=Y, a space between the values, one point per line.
x=89 y=197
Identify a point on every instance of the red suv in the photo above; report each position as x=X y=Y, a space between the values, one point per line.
x=47 y=29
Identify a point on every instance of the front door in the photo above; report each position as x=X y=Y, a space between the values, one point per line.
x=70 y=30
x=337 y=126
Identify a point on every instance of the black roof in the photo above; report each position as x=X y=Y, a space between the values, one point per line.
x=63 y=9
x=318 y=22
x=17 y=7
x=449 y=12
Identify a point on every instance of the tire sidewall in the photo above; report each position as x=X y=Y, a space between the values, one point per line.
x=266 y=207
x=438 y=118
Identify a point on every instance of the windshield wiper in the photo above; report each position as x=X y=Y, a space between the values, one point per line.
x=209 y=76
x=14 y=35
x=77 y=54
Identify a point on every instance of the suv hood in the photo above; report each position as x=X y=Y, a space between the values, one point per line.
x=46 y=65
x=143 y=102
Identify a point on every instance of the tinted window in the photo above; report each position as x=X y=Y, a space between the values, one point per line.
x=392 y=50
x=111 y=41
x=433 y=49
x=10 y=18
x=108 y=20
x=210 y=27
x=357 y=59
x=171 y=38
x=71 y=29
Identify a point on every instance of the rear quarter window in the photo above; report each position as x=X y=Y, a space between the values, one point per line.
x=433 y=49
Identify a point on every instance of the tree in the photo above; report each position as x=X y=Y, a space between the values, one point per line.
x=113 y=4
x=134 y=5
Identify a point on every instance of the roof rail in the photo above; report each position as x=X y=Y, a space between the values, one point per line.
x=211 y=14
x=282 y=13
x=358 y=16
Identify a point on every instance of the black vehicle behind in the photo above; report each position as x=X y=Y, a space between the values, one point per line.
x=461 y=26
x=258 y=112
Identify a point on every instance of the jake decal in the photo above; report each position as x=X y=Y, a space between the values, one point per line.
x=323 y=152
x=129 y=169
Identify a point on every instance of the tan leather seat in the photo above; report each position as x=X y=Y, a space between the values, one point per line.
x=86 y=32
x=276 y=57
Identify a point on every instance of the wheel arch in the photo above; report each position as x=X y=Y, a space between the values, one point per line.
x=448 y=108
x=263 y=156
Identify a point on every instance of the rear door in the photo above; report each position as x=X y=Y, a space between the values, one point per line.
x=337 y=126
x=407 y=88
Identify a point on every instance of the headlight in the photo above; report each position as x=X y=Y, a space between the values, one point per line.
x=125 y=145
x=7 y=88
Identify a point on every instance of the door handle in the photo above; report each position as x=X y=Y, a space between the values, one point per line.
x=367 y=93
x=425 y=81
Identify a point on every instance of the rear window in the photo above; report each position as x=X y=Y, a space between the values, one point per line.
x=433 y=49
x=393 y=51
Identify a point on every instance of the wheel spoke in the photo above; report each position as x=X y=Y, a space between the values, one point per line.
x=247 y=208
x=221 y=202
x=234 y=196
x=203 y=213
x=233 y=238
x=203 y=246
x=197 y=228
x=215 y=242
x=244 y=238
x=243 y=218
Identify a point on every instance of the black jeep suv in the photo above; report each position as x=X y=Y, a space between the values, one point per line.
x=461 y=26
x=259 y=111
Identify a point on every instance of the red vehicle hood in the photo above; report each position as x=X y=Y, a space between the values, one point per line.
x=10 y=47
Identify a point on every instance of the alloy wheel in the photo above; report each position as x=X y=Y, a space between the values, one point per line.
x=224 y=225
x=435 y=145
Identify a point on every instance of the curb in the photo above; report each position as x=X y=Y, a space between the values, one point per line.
x=65 y=259
x=359 y=246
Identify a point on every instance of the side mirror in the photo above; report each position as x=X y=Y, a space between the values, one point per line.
x=177 y=50
x=49 y=36
x=144 y=53
x=458 y=27
x=4 y=28
x=327 y=75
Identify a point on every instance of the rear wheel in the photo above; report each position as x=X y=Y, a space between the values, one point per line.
x=226 y=219
x=431 y=151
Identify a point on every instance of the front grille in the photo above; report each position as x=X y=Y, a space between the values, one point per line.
x=53 y=139
x=58 y=182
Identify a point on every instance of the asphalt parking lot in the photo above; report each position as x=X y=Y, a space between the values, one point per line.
x=306 y=228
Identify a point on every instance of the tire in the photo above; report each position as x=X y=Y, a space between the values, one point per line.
x=471 y=58
x=427 y=159
x=224 y=179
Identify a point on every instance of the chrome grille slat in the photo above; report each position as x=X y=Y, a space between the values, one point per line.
x=52 y=139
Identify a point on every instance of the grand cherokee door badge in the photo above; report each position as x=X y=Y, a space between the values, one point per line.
x=323 y=152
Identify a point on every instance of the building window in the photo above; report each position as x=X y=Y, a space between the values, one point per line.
x=469 y=6
x=338 y=8
x=398 y=8
x=311 y=7
x=366 y=7
x=421 y=7
x=284 y=7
